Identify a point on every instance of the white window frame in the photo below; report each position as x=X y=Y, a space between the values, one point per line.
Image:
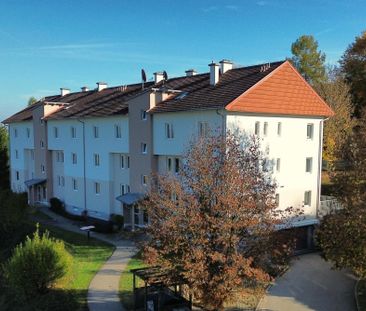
x=307 y=198
x=128 y=161
x=265 y=128
x=257 y=128
x=309 y=165
x=169 y=164
x=122 y=189
x=169 y=132
x=73 y=132
x=55 y=132
x=310 y=131
x=74 y=158
x=96 y=159
x=117 y=131
x=279 y=128
x=176 y=167
x=277 y=199
x=278 y=164
x=122 y=161
x=97 y=188
x=202 y=129
x=95 y=131
x=74 y=184
x=28 y=132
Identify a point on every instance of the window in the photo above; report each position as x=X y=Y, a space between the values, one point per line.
x=97 y=188
x=202 y=129
x=257 y=128
x=15 y=132
x=143 y=148
x=16 y=154
x=265 y=128
x=127 y=188
x=55 y=132
x=17 y=175
x=310 y=131
x=42 y=168
x=122 y=161
x=61 y=156
x=169 y=164
x=128 y=162
x=309 y=165
x=32 y=154
x=169 y=130
x=95 y=132
x=59 y=180
x=144 y=180
x=279 y=128
x=28 y=132
x=277 y=199
x=57 y=156
x=143 y=115
x=122 y=189
x=177 y=164
x=278 y=164
x=117 y=131
x=74 y=184
x=74 y=158
x=307 y=198
x=73 y=132
x=63 y=181
x=96 y=159
x=41 y=144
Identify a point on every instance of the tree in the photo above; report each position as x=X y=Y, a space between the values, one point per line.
x=308 y=60
x=4 y=159
x=211 y=223
x=353 y=64
x=32 y=100
x=336 y=93
x=342 y=235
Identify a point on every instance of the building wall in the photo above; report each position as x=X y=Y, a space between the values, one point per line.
x=292 y=147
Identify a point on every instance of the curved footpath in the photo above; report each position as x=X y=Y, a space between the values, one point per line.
x=104 y=288
x=311 y=285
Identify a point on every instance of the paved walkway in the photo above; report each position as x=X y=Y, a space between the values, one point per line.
x=311 y=285
x=103 y=289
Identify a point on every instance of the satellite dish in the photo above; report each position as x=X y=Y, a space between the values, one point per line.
x=143 y=75
x=165 y=75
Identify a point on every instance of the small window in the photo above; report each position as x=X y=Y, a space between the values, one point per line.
x=97 y=188
x=15 y=132
x=265 y=128
x=17 y=175
x=73 y=132
x=61 y=156
x=42 y=168
x=55 y=132
x=128 y=162
x=122 y=161
x=307 y=198
x=128 y=189
x=310 y=131
x=28 y=132
x=117 y=131
x=74 y=158
x=257 y=128
x=41 y=144
x=143 y=148
x=144 y=180
x=177 y=165
x=309 y=165
x=62 y=181
x=96 y=159
x=279 y=128
x=143 y=115
x=202 y=129
x=169 y=164
x=122 y=189
x=16 y=154
x=277 y=199
x=95 y=132
x=74 y=184
x=57 y=156
x=169 y=130
x=59 y=180
x=278 y=164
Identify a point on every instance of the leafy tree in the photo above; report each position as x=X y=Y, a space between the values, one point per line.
x=308 y=60
x=32 y=100
x=36 y=265
x=353 y=64
x=338 y=128
x=214 y=223
x=4 y=159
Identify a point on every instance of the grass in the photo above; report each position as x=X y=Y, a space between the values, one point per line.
x=126 y=281
x=361 y=295
x=88 y=257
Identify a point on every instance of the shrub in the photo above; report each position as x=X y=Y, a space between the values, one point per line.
x=36 y=265
x=57 y=206
x=117 y=221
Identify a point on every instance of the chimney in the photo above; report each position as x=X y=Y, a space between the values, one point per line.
x=225 y=65
x=64 y=91
x=158 y=76
x=101 y=86
x=191 y=72
x=214 y=73
x=84 y=89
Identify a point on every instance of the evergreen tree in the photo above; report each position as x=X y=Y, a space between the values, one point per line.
x=32 y=100
x=308 y=60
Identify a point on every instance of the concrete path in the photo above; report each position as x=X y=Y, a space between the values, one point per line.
x=103 y=289
x=311 y=285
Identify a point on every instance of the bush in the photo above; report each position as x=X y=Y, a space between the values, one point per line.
x=100 y=225
x=117 y=221
x=57 y=206
x=36 y=265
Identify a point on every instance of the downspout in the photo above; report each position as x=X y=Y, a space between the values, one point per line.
x=320 y=165
x=84 y=166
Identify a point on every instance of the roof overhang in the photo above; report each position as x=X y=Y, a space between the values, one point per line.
x=131 y=198
x=35 y=181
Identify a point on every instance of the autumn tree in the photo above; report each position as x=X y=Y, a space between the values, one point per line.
x=4 y=159
x=342 y=235
x=214 y=223
x=353 y=64
x=308 y=60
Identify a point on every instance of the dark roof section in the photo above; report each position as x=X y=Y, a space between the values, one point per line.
x=201 y=95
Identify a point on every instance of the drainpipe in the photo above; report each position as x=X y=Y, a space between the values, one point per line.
x=84 y=165
x=320 y=163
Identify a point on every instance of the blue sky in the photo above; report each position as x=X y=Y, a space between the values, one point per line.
x=48 y=44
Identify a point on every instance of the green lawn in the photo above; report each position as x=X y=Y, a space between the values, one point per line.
x=361 y=295
x=88 y=257
x=126 y=281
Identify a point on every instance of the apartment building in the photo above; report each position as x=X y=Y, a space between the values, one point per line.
x=96 y=149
